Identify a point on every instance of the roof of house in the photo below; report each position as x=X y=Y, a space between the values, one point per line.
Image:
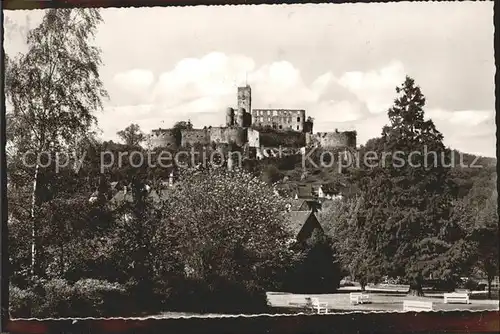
x=121 y=197
x=297 y=204
x=155 y=195
x=160 y=195
x=307 y=190
x=297 y=219
x=304 y=191
x=113 y=185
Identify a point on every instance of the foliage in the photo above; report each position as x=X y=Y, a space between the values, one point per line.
x=55 y=86
x=53 y=90
x=231 y=228
x=477 y=216
x=20 y=302
x=219 y=235
x=132 y=135
x=340 y=221
x=59 y=298
x=404 y=219
x=318 y=270
x=271 y=174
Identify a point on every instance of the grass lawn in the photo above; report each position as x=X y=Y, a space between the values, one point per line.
x=384 y=298
x=381 y=301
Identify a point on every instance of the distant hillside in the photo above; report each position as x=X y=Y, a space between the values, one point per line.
x=289 y=173
x=469 y=159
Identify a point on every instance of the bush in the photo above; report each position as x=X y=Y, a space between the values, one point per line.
x=57 y=298
x=473 y=285
x=229 y=259
x=441 y=285
x=318 y=272
x=20 y=302
x=218 y=296
x=99 y=298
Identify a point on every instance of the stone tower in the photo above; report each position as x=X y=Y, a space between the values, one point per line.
x=240 y=117
x=230 y=117
x=245 y=98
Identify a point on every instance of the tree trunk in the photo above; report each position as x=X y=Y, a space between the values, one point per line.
x=490 y=279
x=34 y=228
x=61 y=259
x=416 y=288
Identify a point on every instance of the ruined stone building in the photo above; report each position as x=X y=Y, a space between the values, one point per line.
x=247 y=126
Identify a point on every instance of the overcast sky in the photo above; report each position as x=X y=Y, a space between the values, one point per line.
x=339 y=62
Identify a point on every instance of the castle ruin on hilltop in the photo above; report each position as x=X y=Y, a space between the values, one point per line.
x=255 y=128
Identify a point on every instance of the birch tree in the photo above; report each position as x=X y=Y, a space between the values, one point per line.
x=53 y=91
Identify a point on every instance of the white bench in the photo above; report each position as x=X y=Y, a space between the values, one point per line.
x=359 y=298
x=416 y=305
x=320 y=307
x=456 y=297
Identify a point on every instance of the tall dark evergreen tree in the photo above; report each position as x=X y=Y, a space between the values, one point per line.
x=405 y=214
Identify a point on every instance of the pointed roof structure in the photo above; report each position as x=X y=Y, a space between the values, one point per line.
x=302 y=224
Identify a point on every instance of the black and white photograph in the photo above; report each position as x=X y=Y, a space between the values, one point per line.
x=207 y=161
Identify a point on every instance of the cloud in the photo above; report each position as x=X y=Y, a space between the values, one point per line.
x=200 y=89
x=460 y=117
x=133 y=79
x=471 y=131
x=209 y=84
x=339 y=73
x=212 y=76
x=195 y=87
x=134 y=84
x=376 y=87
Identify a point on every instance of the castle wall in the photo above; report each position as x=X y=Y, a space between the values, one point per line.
x=332 y=139
x=280 y=119
x=228 y=135
x=253 y=137
x=276 y=138
x=195 y=137
x=164 y=138
x=278 y=127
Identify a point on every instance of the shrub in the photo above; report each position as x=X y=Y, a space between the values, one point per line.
x=20 y=302
x=319 y=271
x=472 y=285
x=219 y=296
x=57 y=298
x=233 y=256
x=99 y=298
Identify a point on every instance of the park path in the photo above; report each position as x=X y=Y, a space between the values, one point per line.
x=388 y=301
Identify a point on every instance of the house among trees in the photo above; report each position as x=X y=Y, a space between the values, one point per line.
x=314 y=191
x=156 y=194
x=303 y=224
x=299 y=217
x=297 y=204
